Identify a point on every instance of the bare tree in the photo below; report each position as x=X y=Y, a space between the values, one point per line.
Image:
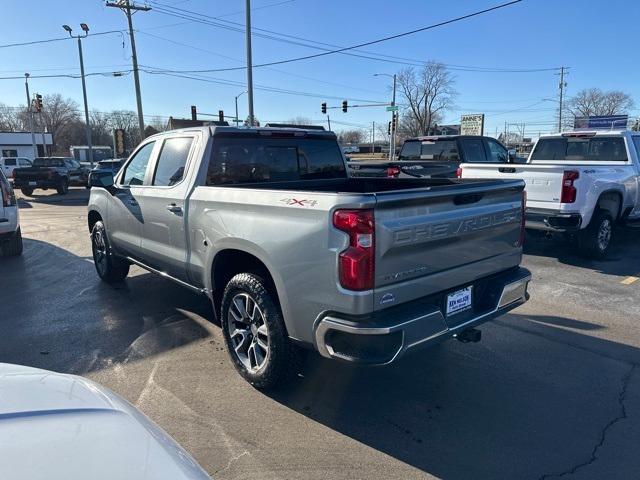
x=593 y=101
x=128 y=121
x=12 y=118
x=352 y=136
x=100 y=128
x=300 y=121
x=428 y=93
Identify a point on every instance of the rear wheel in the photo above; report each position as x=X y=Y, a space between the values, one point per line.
x=12 y=247
x=255 y=334
x=595 y=240
x=110 y=268
x=63 y=187
x=27 y=191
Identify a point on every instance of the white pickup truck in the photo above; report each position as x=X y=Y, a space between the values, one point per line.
x=580 y=183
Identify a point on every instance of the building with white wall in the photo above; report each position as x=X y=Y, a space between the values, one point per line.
x=19 y=144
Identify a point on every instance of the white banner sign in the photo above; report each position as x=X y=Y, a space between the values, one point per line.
x=472 y=124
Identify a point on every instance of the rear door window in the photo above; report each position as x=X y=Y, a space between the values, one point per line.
x=172 y=161
x=10 y=162
x=497 y=153
x=137 y=167
x=473 y=150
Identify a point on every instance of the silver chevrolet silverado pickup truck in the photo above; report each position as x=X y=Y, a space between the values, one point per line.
x=293 y=253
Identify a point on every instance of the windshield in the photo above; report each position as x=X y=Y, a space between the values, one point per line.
x=437 y=150
x=48 y=162
x=581 y=149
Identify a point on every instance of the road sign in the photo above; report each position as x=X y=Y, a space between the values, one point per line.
x=604 y=122
x=393 y=108
x=472 y=124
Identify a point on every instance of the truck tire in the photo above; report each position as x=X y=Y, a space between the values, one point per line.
x=255 y=334
x=12 y=247
x=63 y=187
x=110 y=268
x=594 y=241
x=27 y=191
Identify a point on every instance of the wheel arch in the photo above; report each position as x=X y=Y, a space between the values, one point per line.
x=92 y=217
x=611 y=201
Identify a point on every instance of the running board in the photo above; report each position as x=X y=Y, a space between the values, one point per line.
x=202 y=291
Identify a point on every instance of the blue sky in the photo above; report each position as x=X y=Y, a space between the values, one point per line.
x=594 y=38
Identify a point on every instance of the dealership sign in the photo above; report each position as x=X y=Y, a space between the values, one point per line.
x=472 y=124
x=606 y=122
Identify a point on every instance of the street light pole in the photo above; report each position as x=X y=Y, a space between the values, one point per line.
x=237 y=119
x=30 y=110
x=85 y=28
x=249 y=62
x=392 y=133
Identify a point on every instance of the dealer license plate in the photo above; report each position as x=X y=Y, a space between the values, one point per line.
x=459 y=301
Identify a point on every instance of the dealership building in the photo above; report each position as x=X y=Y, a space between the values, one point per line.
x=20 y=144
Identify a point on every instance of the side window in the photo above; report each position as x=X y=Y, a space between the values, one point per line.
x=636 y=142
x=473 y=150
x=136 y=168
x=172 y=161
x=23 y=162
x=9 y=162
x=497 y=153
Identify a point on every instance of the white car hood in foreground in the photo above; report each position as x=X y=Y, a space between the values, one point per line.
x=63 y=427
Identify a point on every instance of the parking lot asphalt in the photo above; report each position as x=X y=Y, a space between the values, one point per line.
x=552 y=390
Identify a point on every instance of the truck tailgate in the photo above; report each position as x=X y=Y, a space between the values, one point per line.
x=431 y=240
x=544 y=182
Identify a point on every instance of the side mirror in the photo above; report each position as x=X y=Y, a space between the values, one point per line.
x=512 y=156
x=101 y=179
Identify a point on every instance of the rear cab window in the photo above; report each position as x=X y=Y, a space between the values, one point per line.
x=237 y=159
x=441 y=150
x=581 y=149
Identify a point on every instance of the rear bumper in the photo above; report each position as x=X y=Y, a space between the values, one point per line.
x=385 y=336
x=552 y=220
x=40 y=183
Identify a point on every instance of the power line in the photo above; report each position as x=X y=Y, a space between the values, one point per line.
x=51 y=40
x=342 y=49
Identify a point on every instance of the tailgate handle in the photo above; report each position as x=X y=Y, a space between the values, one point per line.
x=468 y=198
x=507 y=170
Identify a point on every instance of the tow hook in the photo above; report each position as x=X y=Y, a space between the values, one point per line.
x=470 y=335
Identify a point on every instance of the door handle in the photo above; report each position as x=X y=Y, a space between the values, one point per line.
x=507 y=170
x=173 y=208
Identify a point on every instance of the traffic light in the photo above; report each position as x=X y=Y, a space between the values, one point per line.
x=38 y=103
x=394 y=121
x=324 y=108
x=389 y=128
x=119 y=141
x=344 y=106
x=221 y=115
x=194 y=113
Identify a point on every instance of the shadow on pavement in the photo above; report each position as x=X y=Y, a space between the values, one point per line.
x=511 y=406
x=58 y=315
x=623 y=258
x=75 y=196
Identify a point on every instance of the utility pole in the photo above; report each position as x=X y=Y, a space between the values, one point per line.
x=249 y=62
x=30 y=110
x=562 y=86
x=85 y=28
x=127 y=7
x=392 y=133
x=328 y=122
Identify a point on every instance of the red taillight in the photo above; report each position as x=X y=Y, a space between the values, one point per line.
x=393 y=172
x=459 y=172
x=522 y=219
x=568 y=189
x=356 y=264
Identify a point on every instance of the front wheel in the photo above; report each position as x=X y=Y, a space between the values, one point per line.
x=255 y=334
x=12 y=247
x=595 y=240
x=110 y=268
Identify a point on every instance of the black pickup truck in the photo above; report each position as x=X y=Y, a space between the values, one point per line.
x=437 y=156
x=51 y=172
